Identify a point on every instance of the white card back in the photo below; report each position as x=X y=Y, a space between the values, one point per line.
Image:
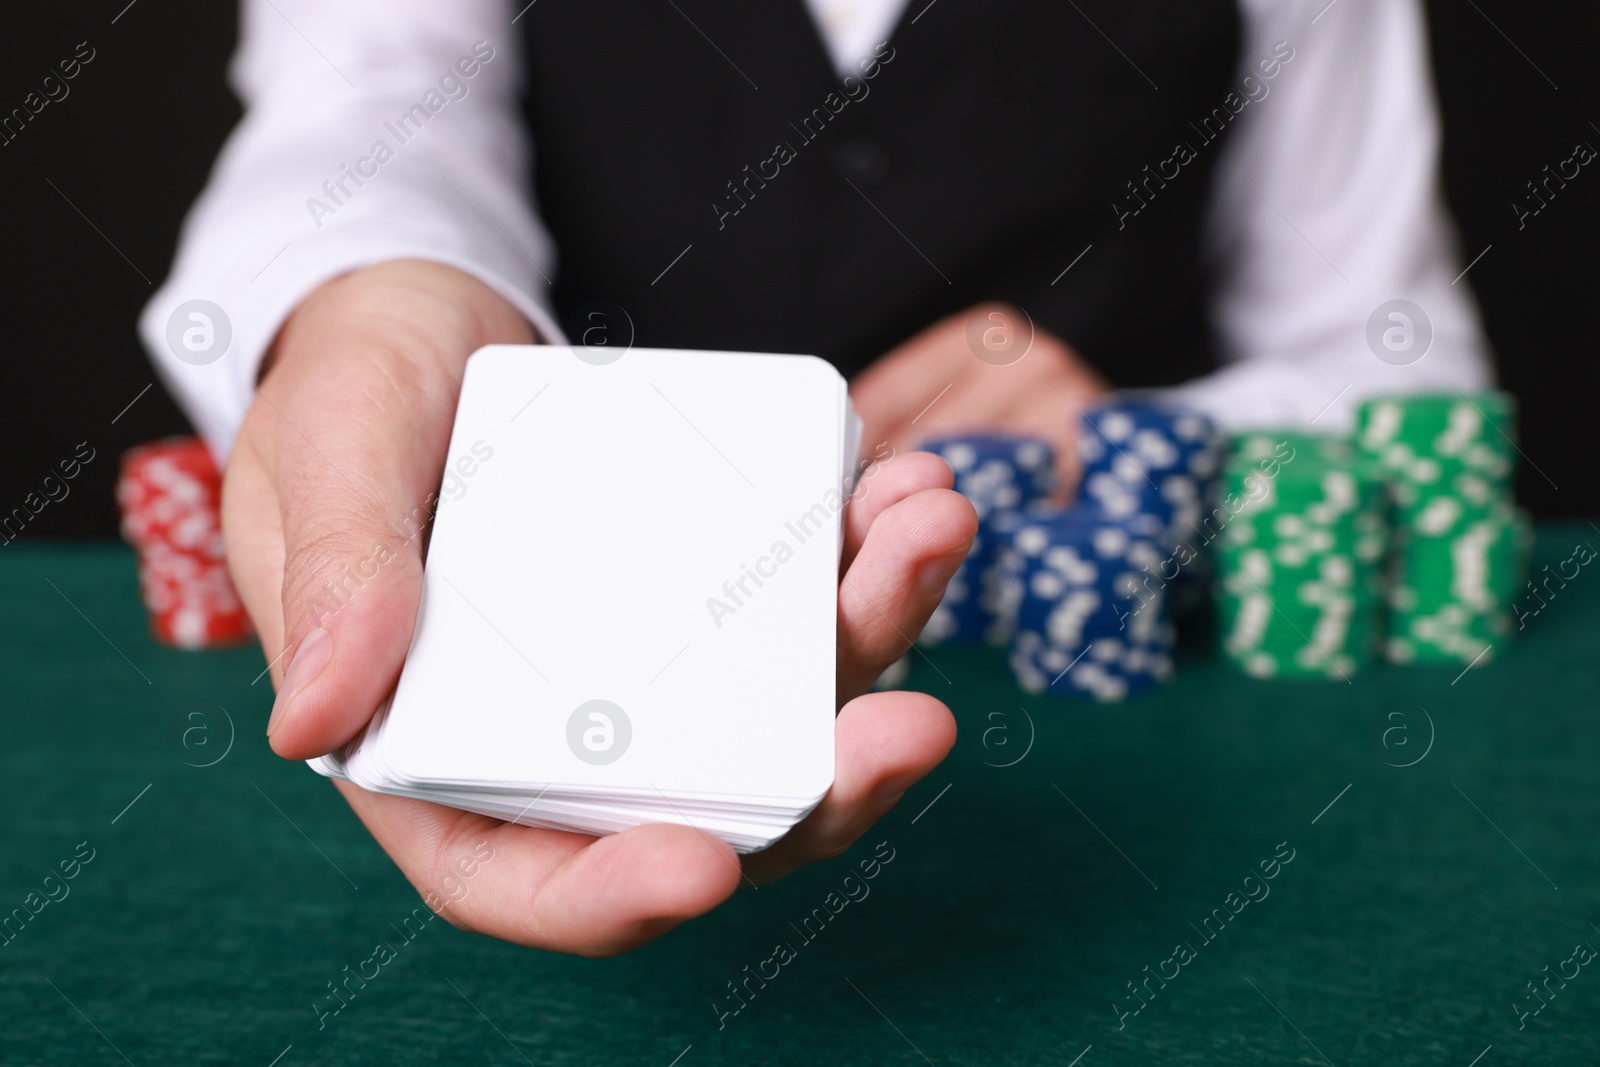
x=660 y=533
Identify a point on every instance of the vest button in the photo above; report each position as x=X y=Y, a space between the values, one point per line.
x=860 y=160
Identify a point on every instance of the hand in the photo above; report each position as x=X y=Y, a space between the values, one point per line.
x=347 y=437
x=1040 y=394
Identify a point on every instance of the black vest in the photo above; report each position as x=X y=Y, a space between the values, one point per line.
x=700 y=164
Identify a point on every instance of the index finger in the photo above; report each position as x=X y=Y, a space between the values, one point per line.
x=885 y=484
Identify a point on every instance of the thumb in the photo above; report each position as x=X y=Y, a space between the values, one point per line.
x=356 y=492
x=357 y=413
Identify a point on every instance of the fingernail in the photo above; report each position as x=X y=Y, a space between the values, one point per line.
x=304 y=666
x=933 y=577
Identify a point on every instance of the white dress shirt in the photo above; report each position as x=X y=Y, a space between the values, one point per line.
x=1325 y=205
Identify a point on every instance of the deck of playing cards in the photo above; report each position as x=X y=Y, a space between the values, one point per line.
x=630 y=597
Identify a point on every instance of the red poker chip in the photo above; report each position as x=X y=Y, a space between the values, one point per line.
x=170 y=495
x=193 y=626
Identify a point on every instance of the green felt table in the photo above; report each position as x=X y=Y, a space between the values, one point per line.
x=1061 y=850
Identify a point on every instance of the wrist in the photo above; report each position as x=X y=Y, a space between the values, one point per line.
x=417 y=312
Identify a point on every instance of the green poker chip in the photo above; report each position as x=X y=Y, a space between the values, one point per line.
x=1288 y=446
x=1300 y=567
x=1400 y=541
x=1460 y=545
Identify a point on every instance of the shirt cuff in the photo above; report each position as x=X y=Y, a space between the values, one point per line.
x=215 y=389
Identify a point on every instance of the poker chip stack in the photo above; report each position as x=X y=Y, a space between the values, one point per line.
x=1090 y=620
x=1144 y=457
x=1288 y=446
x=1000 y=475
x=1300 y=557
x=170 y=495
x=1461 y=545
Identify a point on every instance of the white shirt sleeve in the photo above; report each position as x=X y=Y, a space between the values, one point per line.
x=364 y=139
x=1327 y=205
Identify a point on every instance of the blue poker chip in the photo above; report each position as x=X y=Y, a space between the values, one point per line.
x=1106 y=669
x=1150 y=458
x=1032 y=454
x=1001 y=476
x=1140 y=441
x=1084 y=596
x=1092 y=615
x=1096 y=562
x=998 y=473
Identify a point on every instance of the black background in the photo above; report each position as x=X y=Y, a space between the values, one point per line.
x=131 y=144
